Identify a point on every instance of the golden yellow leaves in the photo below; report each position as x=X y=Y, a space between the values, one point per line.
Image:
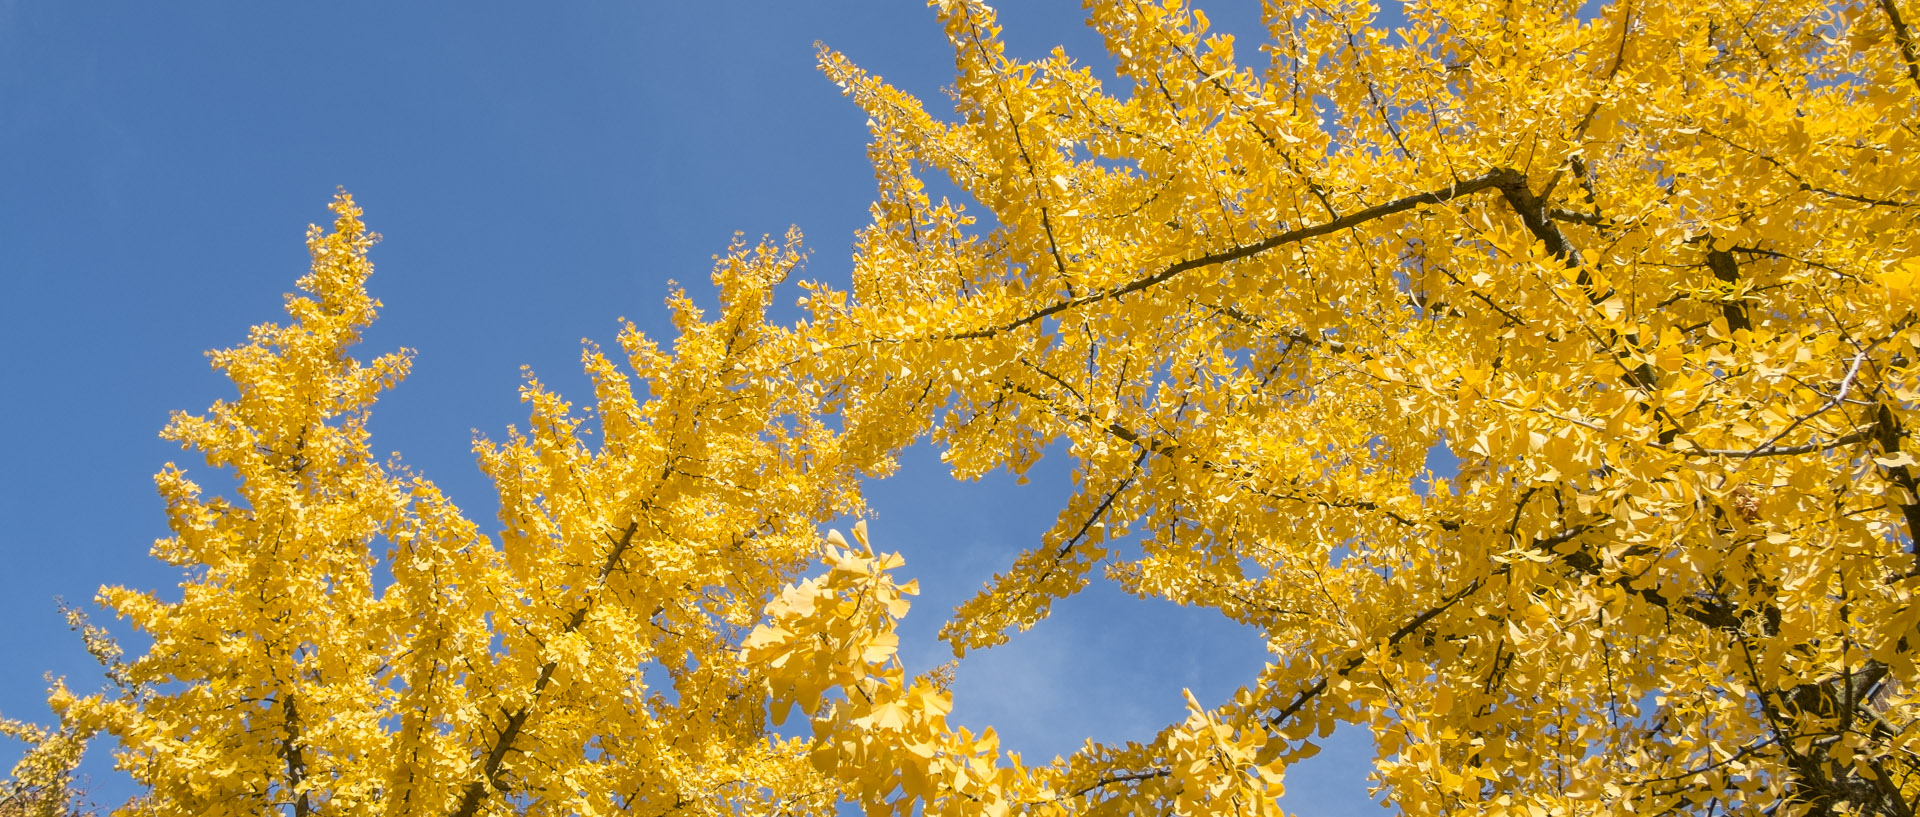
x=1645 y=275
x=1649 y=277
x=587 y=660
x=42 y=781
x=1220 y=769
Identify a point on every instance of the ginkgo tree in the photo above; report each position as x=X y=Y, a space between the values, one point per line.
x=346 y=641
x=1648 y=271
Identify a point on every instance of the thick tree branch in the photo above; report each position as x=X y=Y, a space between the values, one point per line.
x=1904 y=39
x=1538 y=219
x=1727 y=271
x=1888 y=434
x=295 y=757
x=1589 y=219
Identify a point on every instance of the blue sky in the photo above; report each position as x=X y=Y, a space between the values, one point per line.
x=538 y=171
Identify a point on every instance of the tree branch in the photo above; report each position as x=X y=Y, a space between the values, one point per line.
x=1727 y=271
x=1781 y=450
x=1349 y=221
x=1904 y=39
x=476 y=791
x=1887 y=436
x=1305 y=696
x=1126 y=777
x=296 y=758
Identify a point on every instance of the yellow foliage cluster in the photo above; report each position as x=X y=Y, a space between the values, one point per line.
x=1649 y=273
x=41 y=783
x=1646 y=272
x=585 y=661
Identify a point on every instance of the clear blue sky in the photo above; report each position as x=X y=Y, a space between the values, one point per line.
x=537 y=171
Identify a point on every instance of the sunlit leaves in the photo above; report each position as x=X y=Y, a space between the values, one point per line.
x=346 y=641
x=1643 y=269
x=1647 y=271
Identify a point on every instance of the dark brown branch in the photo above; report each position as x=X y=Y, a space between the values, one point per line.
x=1711 y=614
x=1013 y=126
x=1534 y=214
x=1030 y=588
x=1802 y=180
x=296 y=759
x=476 y=791
x=1887 y=436
x=1349 y=221
x=1413 y=625
x=1727 y=271
x=1783 y=450
x=1576 y=217
x=1125 y=777
x=1511 y=319
x=1904 y=39
x=1292 y=336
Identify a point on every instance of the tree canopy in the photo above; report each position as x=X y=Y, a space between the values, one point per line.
x=1647 y=270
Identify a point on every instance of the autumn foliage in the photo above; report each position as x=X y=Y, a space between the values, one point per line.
x=1647 y=270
